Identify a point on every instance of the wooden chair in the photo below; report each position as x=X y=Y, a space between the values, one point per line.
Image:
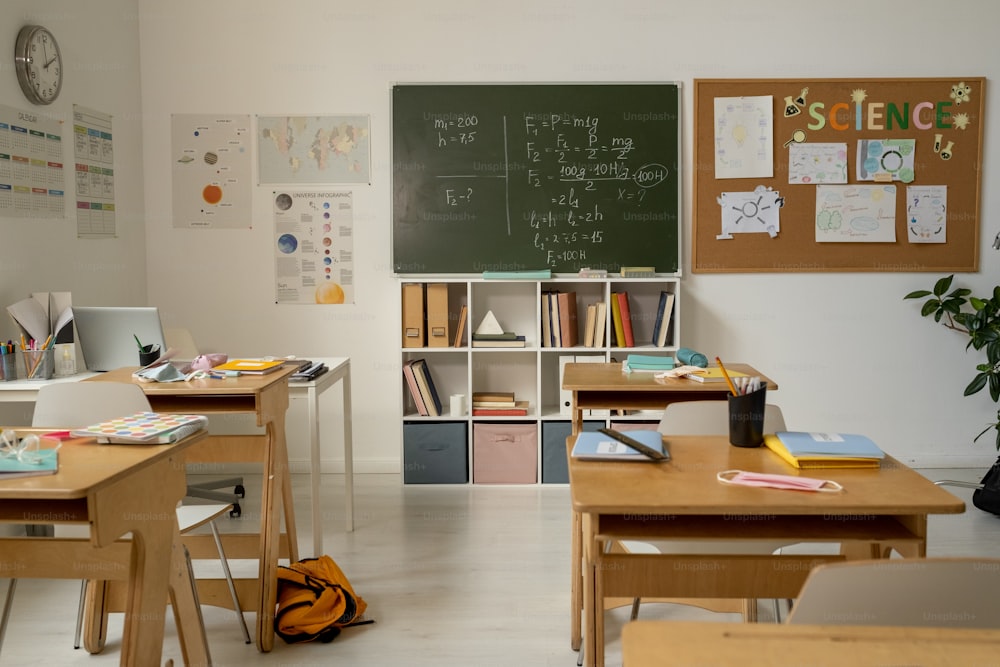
x=915 y=592
x=709 y=418
x=72 y=405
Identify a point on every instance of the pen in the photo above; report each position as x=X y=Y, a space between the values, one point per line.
x=137 y=342
x=732 y=387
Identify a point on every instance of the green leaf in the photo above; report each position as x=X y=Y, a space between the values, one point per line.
x=919 y=294
x=929 y=307
x=977 y=303
x=977 y=384
x=942 y=285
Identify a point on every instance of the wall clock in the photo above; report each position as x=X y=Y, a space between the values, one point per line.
x=38 y=64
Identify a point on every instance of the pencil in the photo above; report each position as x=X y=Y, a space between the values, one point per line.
x=732 y=387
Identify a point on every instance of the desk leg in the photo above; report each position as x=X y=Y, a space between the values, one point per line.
x=275 y=489
x=593 y=603
x=95 y=619
x=314 y=472
x=348 y=452
x=187 y=610
x=576 y=585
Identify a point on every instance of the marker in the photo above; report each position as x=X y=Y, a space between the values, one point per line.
x=137 y=342
x=732 y=387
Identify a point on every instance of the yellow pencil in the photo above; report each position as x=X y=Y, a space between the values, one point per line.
x=47 y=341
x=732 y=387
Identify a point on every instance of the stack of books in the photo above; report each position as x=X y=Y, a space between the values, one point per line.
x=647 y=363
x=559 y=319
x=422 y=389
x=621 y=320
x=497 y=404
x=595 y=324
x=825 y=450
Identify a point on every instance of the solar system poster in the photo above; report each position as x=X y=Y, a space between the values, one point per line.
x=211 y=171
x=313 y=246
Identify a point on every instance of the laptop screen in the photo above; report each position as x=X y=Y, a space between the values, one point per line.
x=108 y=334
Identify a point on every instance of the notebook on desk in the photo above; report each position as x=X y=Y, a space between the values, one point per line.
x=144 y=428
x=108 y=334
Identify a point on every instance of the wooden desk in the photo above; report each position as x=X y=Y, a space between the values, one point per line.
x=265 y=396
x=117 y=489
x=604 y=387
x=682 y=500
x=663 y=643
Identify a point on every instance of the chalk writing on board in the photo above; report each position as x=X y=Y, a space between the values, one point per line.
x=529 y=186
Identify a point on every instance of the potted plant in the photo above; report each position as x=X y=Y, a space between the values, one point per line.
x=979 y=319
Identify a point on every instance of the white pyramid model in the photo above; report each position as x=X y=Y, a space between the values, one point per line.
x=489 y=325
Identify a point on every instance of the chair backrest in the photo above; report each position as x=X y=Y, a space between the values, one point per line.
x=924 y=592
x=710 y=418
x=80 y=404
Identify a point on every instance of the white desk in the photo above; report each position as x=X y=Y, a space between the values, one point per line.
x=24 y=391
x=340 y=371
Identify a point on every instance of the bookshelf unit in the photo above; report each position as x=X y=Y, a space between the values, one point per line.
x=442 y=449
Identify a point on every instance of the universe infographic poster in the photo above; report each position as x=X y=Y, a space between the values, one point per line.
x=313 y=246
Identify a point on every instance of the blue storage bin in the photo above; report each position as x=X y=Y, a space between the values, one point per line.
x=435 y=453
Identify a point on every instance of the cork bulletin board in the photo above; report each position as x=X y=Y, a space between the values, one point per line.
x=848 y=175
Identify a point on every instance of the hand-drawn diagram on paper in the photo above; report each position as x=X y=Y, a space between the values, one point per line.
x=927 y=213
x=744 y=137
x=855 y=213
x=745 y=212
x=815 y=163
x=886 y=160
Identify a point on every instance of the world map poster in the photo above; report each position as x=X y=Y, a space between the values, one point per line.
x=301 y=150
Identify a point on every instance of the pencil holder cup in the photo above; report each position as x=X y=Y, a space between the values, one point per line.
x=8 y=367
x=148 y=354
x=39 y=364
x=746 y=418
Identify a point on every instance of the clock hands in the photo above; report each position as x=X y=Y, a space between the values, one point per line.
x=46 y=65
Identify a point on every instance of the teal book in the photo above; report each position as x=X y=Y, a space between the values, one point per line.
x=11 y=466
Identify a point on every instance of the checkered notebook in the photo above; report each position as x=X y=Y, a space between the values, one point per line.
x=145 y=428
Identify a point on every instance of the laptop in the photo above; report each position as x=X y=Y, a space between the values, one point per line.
x=108 y=334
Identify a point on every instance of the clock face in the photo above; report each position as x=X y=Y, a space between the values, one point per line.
x=38 y=64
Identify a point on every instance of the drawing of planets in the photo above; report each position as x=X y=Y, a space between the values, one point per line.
x=211 y=158
x=212 y=194
x=283 y=201
x=327 y=261
x=327 y=241
x=329 y=293
x=287 y=243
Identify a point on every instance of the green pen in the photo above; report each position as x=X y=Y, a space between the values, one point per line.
x=137 y=342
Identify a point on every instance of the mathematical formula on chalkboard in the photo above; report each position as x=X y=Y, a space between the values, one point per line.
x=521 y=177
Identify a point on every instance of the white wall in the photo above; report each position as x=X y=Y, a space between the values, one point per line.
x=848 y=352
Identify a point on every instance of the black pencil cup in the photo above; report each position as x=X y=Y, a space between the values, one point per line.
x=148 y=354
x=746 y=418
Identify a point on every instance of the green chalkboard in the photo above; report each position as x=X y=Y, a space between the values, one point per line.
x=519 y=177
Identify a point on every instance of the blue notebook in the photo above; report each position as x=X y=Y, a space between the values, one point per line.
x=11 y=467
x=802 y=443
x=596 y=446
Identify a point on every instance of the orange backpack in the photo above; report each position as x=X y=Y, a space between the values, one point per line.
x=315 y=600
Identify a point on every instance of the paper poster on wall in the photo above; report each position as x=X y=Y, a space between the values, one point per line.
x=94 y=169
x=211 y=171
x=749 y=212
x=882 y=160
x=927 y=213
x=855 y=213
x=744 y=137
x=815 y=163
x=32 y=173
x=313 y=246
x=313 y=149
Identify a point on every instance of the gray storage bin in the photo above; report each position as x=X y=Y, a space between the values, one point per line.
x=554 y=434
x=435 y=453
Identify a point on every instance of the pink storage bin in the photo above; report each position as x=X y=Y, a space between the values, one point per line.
x=504 y=453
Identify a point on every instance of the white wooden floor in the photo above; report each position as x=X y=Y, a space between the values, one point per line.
x=470 y=575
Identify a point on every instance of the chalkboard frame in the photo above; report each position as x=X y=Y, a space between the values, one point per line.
x=634 y=251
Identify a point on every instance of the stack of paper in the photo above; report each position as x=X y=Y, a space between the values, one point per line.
x=825 y=450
